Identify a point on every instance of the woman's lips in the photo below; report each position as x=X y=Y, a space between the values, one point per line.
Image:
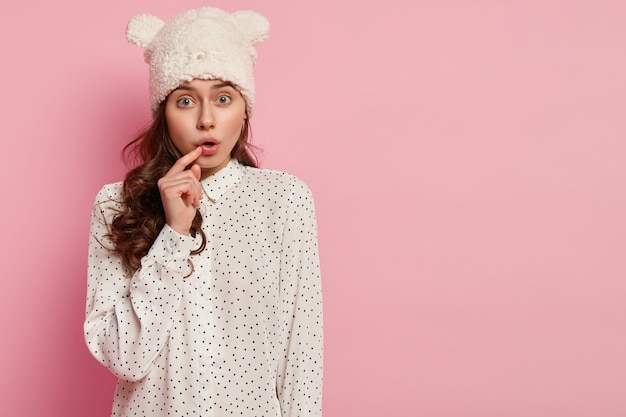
x=209 y=148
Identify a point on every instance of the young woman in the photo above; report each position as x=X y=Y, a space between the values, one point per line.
x=204 y=293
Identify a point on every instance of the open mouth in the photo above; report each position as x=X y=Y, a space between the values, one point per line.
x=208 y=144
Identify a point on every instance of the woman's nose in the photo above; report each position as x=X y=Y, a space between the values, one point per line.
x=206 y=120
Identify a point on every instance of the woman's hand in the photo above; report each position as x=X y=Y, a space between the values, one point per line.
x=181 y=192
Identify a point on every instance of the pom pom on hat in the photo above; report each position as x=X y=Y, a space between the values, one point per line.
x=255 y=26
x=142 y=28
x=206 y=43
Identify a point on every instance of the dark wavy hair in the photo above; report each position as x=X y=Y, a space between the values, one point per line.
x=141 y=218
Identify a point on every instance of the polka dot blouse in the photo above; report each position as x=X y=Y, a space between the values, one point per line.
x=240 y=336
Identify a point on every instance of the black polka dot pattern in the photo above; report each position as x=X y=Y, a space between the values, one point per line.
x=240 y=336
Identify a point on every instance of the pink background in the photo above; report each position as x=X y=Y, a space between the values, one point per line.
x=468 y=160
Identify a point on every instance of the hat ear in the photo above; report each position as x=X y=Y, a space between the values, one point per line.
x=255 y=26
x=142 y=28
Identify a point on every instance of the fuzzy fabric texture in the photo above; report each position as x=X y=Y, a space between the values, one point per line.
x=205 y=43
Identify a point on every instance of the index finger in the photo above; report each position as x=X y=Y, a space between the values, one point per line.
x=184 y=161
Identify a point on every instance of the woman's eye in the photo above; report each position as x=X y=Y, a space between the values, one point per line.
x=223 y=99
x=185 y=102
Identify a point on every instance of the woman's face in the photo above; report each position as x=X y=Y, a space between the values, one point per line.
x=206 y=113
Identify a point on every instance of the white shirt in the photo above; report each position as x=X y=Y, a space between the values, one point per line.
x=241 y=336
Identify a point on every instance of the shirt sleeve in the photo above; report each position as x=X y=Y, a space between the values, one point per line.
x=128 y=318
x=299 y=376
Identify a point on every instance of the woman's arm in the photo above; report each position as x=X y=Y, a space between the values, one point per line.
x=299 y=376
x=128 y=319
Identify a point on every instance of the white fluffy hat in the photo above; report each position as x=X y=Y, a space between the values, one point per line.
x=206 y=43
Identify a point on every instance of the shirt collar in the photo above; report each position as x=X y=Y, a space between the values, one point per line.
x=216 y=185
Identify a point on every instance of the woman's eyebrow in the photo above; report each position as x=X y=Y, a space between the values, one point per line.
x=213 y=87
x=221 y=85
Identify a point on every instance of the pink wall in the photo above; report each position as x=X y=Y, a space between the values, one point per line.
x=468 y=160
